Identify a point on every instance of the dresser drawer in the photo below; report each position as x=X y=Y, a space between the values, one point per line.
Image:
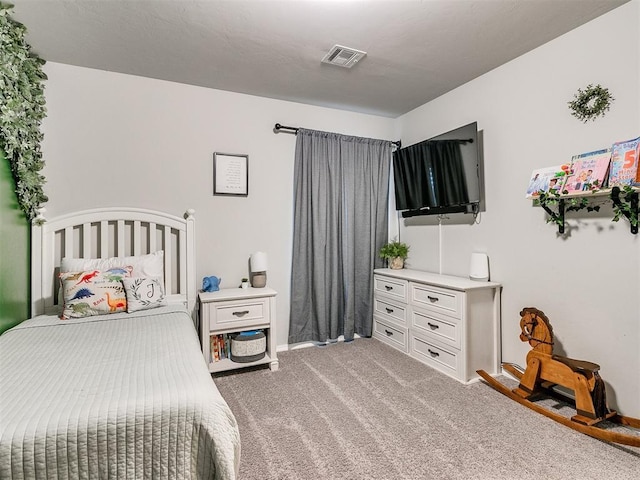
x=437 y=299
x=392 y=287
x=390 y=311
x=443 y=359
x=446 y=330
x=390 y=334
x=236 y=314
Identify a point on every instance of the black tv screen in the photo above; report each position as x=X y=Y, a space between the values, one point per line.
x=439 y=175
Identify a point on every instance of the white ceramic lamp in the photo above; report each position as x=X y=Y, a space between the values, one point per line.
x=479 y=267
x=259 y=270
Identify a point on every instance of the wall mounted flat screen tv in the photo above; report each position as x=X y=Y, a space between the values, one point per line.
x=440 y=175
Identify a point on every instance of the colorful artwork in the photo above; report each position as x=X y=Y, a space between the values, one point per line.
x=589 y=171
x=546 y=179
x=624 y=163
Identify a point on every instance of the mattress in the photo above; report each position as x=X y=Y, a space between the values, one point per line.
x=112 y=396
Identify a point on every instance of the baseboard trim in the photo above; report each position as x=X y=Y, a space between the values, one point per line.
x=295 y=346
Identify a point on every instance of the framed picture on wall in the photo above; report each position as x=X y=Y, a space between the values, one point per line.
x=230 y=174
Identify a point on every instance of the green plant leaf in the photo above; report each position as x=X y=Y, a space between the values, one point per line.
x=22 y=109
x=394 y=249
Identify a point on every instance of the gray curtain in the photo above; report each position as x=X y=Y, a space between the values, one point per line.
x=340 y=223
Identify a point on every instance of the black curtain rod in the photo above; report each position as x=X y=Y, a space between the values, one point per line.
x=284 y=127
x=279 y=127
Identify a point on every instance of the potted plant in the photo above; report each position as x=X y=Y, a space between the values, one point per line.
x=245 y=283
x=395 y=253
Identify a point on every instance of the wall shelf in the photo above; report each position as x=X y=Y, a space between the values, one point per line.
x=632 y=212
x=626 y=203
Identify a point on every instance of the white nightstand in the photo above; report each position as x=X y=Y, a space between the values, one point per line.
x=233 y=310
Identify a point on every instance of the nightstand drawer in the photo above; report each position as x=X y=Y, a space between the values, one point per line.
x=436 y=299
x=391 y=287
x=236 y=314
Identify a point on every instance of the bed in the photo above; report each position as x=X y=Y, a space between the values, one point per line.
x=119 y=393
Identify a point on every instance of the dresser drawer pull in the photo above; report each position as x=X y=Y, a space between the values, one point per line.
x=388 y=287
x=433 y=299
x=433 y=326
x=432 y=353
x=389 y=333
x=240 y=314
x=389 y=310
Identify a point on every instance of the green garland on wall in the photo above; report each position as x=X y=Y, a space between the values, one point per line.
x=22 y=109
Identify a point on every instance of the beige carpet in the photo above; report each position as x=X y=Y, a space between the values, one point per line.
x=362 y=410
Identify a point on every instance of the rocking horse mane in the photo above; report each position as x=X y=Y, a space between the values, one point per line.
x=538 y=314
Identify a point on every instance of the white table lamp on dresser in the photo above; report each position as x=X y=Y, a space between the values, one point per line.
x=259 y=270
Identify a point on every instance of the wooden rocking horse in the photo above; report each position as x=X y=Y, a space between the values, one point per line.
x=545 y=370
x=543 y=366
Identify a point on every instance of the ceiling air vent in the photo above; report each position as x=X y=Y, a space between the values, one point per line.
x=343 y=56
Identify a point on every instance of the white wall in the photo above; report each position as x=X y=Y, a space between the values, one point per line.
x=588 y=282
x=113 y=139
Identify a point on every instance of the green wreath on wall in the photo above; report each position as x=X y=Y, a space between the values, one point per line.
x=590 y=103
x=22 y=109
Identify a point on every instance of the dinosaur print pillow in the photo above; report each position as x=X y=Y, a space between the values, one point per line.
x=93 y=292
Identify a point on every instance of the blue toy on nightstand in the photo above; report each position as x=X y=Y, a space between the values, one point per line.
x=211 y=284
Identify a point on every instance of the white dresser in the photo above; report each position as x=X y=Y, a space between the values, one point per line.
x=450 y=323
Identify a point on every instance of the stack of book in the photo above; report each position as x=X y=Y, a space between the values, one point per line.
x=610 y=167
x=220 y=347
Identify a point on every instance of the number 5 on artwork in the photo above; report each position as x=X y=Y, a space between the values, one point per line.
x=629 y=159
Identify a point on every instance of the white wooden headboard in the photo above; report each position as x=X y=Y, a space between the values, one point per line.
x=112 y=232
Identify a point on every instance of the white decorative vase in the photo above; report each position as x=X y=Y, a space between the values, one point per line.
x=396 y=263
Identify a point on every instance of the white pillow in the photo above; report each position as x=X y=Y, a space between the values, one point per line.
x=143 y=293
x=151 y=265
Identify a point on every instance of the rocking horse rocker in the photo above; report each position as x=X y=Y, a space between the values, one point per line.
x=546 y=370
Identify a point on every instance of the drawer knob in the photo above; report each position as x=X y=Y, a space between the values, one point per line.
x=241 y=314
x=432 y=299
x=432 y=353
x=389 y=333
x=389 y=310
x=388 y=287
x=433 y=326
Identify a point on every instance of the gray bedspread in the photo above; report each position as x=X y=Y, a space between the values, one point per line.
x=114 y=396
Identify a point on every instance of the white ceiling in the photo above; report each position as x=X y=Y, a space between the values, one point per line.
x=416 y=49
